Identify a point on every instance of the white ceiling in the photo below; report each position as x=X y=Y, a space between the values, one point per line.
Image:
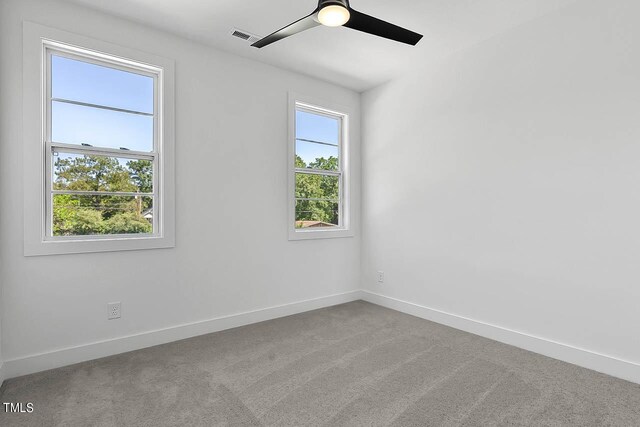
x=346 y=57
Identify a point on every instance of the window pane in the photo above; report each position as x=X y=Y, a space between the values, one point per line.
x=76 y=124
x=76 y=80
x=316 y=156
x=76 y=215
x=79 y=172
x=316 y=214
x=311 y=186
x=317 y=127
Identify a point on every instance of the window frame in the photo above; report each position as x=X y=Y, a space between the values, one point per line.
x=40 y=43
x=320 y=107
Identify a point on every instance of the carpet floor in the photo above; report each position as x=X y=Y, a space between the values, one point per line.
x=352 y=364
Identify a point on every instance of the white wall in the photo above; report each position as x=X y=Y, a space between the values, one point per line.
x=502 y=185
x=232 y=253
x=2 y=375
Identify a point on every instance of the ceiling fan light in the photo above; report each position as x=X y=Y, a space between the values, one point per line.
x=334 y=15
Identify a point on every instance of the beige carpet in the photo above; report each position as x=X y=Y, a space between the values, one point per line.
x=353 y=364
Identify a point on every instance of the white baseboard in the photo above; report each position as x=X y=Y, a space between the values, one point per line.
x=609 y=365
x=68 y=356
x=40 y=362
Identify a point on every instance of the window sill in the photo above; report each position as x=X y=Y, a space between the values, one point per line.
x=60 y=247
x=319 y=234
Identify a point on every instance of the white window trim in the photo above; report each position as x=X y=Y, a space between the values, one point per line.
x=345 y=228
x=36 y=39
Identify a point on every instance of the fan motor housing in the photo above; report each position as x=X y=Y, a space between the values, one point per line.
x=324 y=3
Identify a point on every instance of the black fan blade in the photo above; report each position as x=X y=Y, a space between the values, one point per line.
x=297 y=27
x=368 y=24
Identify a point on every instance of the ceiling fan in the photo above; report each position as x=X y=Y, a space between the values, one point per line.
x=336 y=13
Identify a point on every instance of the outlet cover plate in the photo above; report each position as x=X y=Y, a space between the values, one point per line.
x=113 y=310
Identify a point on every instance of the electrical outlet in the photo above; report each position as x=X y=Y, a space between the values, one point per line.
x=380 y=276
x=113 y=310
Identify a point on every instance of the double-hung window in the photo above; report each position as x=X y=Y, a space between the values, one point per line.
x=101 y=158
x=319 y=173
x=103 y=134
